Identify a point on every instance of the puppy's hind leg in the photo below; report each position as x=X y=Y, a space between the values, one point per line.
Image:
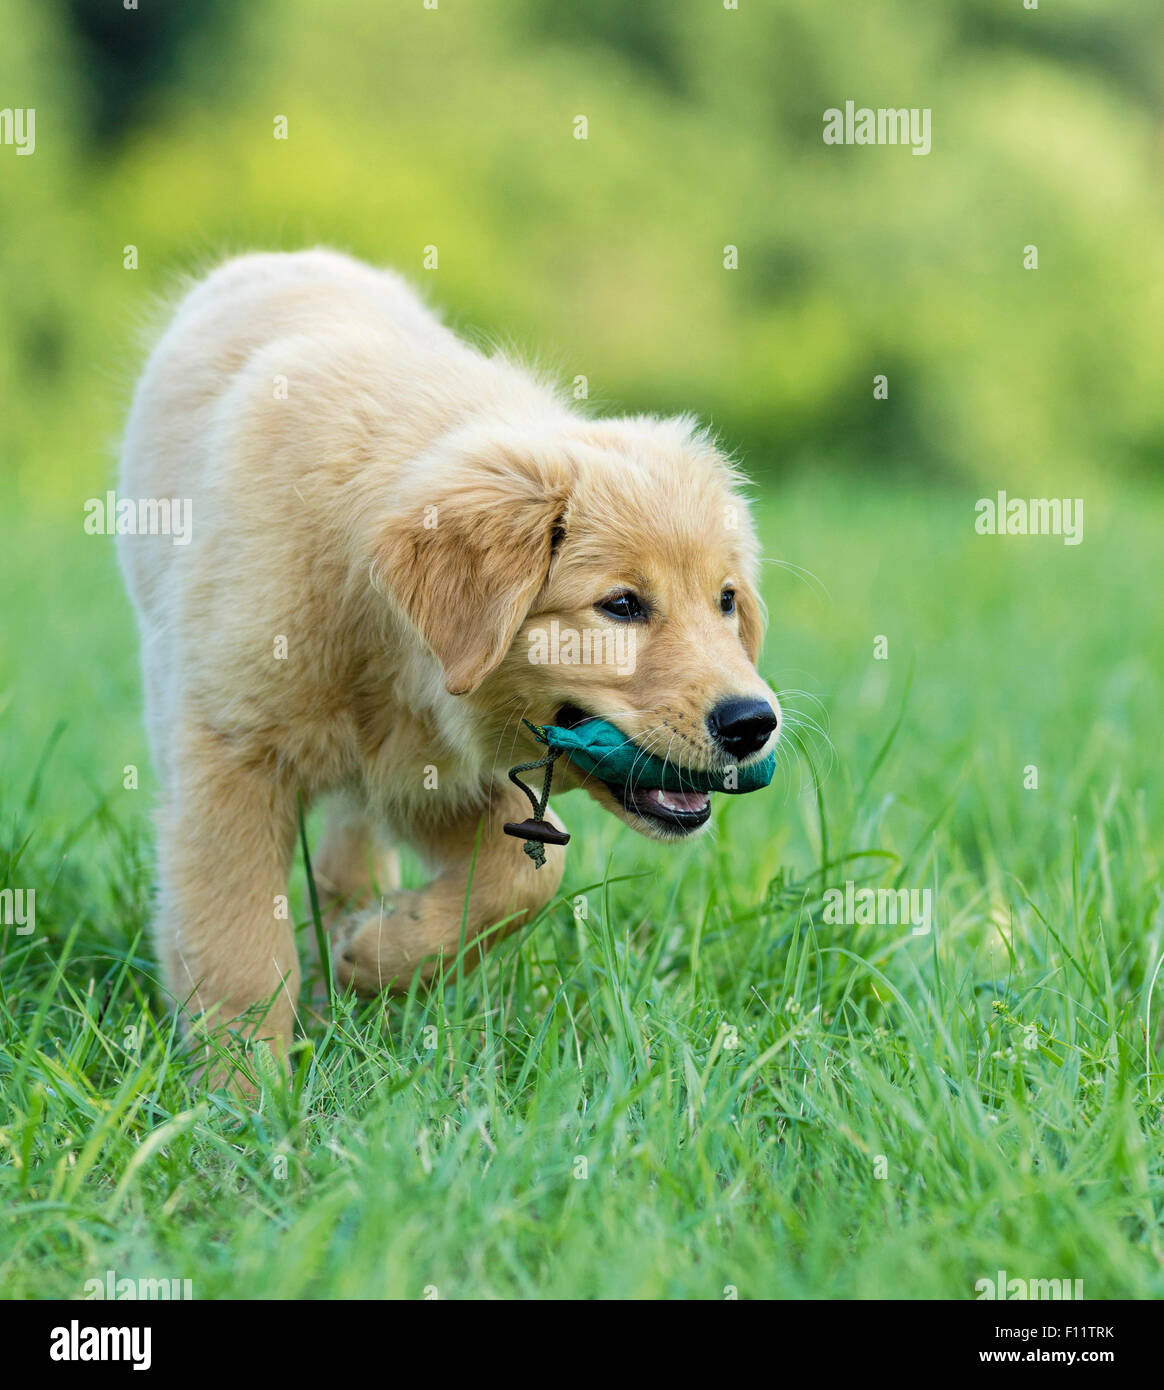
x=352 y=862
x=350 y=865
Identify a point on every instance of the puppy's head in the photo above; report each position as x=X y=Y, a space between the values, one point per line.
x=604 y=569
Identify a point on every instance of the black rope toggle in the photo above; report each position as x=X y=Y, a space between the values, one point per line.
x=536 y=832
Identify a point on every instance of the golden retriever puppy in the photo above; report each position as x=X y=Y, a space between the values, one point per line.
x=399 y=548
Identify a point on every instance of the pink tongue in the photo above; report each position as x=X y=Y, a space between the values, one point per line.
x=678 y=801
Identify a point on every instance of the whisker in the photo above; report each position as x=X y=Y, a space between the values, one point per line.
x=799 y=572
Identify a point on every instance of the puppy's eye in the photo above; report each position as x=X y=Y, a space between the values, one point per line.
x=626 y=606
x=727 y=601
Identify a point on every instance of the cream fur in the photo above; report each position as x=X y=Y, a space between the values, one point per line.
x=406 y=644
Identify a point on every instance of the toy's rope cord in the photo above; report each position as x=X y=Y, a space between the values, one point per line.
x=535 y=850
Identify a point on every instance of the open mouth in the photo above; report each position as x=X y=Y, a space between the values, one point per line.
x=680 y=812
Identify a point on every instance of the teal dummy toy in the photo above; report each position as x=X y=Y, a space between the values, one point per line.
x=604 y=752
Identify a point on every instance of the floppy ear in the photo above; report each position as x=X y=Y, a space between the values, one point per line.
x=752 y=617
x=466 y=560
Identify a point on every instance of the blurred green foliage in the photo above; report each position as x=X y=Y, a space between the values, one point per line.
x=129 y=54
x=454 y=127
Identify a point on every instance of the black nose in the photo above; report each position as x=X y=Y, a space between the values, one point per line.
x=741 y=726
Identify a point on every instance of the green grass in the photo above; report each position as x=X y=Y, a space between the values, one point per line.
x=681 y=1080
